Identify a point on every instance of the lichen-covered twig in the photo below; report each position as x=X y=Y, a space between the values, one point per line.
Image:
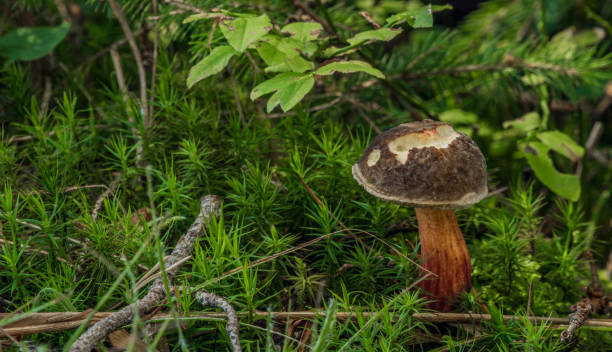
x=210 y=299
x=576 y=320
x=209 y=207
x=595 y=302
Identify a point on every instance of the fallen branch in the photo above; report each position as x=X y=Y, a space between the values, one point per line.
x=209 y=207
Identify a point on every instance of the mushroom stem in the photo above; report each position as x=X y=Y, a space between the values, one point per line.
x=445 y=254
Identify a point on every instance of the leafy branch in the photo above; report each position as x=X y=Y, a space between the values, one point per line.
x=296 y=52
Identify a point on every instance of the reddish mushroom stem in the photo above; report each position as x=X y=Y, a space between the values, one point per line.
x=445 y=254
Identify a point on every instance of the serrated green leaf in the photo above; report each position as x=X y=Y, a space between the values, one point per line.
x=458 y=116
x=210 y=65
x=565 y=185
x=295 y=92
x=31 y=43
x=562 y=144
x=275 y=83
x=349 y=67
x=303 y=31
x=525 y=123
x=382 y=34
x=242 y=32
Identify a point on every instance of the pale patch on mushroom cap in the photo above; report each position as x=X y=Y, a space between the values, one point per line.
x=424 y=164
x=373 y=157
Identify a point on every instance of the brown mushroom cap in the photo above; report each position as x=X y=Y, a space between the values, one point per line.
x=424 y=164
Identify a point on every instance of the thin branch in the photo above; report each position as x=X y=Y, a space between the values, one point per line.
x=83 y=90
x=369 y=18
x=510 y=63
x=142 y=76
x=105 y=51
x=155 y=54
x=109 y=190
x=312 y=109
x=237 y=99
x=315 y=17
x=209 y=207
x=32 y=250
x=35 y=323
x=184 y=6
x=119 y=72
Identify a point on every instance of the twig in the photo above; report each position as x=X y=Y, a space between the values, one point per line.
x=363 y=115
x=109 y=190
x=211 y=34
x=34 y=323
x=142 y=76
x=353 y=235
x=419 y=57
x=594 y=135
x=154 y=65
x=576 y=320
x=529 y=298
x=369 y=18
x=209 y=207
x=510 y=63
x=119 y=72
x=237 y=99
x=312 y=109
x=595 y=302
x=10 y=337
x=63 y=11
x=605 y=102
x=253 y=62
x=184 y=5
x=210 y=299
x=47 y=93
x=103 y=52
x=32 y=250
x=276 y=255
x=315 y=17
x=83 y=90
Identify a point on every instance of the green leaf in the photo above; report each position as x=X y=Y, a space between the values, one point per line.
x=241 y=32
x=421 y=17
x=295 y=92
x=562 y=144
x=565 y=185
x=273 y=101
x=382 y=34
x=210 y=65
x=525 y=123
x=458 y=116
x=348 y=67
x=283 y=54
x=303 y=31
x=277 y=82
x=290 y=88
x=31 y=43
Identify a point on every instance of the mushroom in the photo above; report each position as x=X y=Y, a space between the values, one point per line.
x=430 y=166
